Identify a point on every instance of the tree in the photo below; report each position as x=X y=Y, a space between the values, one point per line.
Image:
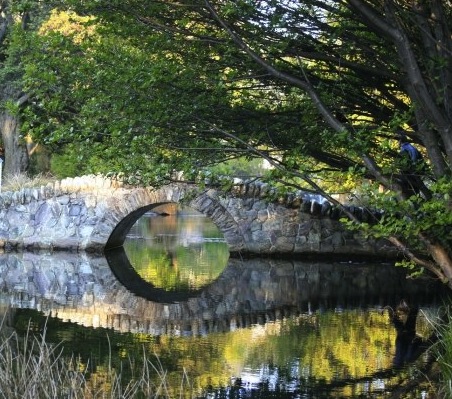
x=16 y=158
x=322 y=90
x=17 y=18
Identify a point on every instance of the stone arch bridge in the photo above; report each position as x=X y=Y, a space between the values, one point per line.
x=94 y=214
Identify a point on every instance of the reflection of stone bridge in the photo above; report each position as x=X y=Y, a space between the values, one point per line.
x=92 y=213
x=82 y=288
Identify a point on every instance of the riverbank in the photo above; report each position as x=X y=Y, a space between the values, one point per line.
x=31 y=368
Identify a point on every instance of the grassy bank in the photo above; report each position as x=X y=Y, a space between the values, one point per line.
x=32 y=368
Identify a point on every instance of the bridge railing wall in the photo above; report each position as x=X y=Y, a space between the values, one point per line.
x=58 y=187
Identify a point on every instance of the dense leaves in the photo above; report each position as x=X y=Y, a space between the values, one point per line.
x=324 y=91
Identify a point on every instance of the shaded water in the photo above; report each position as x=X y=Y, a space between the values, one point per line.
x=237 y=327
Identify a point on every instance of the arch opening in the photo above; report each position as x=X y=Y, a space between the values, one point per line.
x=119 y=233
x=170 y=247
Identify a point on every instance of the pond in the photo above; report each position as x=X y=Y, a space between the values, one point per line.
x=258 y=327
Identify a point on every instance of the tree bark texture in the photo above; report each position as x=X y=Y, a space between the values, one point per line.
x=16 y=155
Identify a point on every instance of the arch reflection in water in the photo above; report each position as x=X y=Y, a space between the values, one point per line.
x=182 y=251
x=312 y=327
x=83 y=289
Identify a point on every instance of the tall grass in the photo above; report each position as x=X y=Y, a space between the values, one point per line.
x=31 y=368
x=443 y=350
x=20 y=181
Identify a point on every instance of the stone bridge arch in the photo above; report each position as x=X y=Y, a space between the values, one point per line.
x=135 y=203
x=93 y=213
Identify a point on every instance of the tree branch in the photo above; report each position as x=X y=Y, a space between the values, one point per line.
x=304 y=85
x=22 y=99
x=416 y=259
x=412 y=69
x=374 y=20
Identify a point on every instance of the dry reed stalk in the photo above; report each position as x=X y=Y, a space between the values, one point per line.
x=31 y=368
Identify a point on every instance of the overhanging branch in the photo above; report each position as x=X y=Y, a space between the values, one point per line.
x=304 y=85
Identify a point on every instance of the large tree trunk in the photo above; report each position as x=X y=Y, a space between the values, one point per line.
x=15 y=150
x=16 y=155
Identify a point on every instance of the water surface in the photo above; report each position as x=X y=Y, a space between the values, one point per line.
x=236 y=327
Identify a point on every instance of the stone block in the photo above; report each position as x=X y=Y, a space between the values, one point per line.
x=337 y=239
x=255 y=226
x=272 y=224
x=290 y=229
x=285 y=244
x=74 y=210
x=262 y=215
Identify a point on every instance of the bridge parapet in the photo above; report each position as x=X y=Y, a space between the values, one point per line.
x=303 y=200
x=59 y=187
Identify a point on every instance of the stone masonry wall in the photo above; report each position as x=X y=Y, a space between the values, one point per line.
x=59 y=215
x=278 y=228
x=91 y=213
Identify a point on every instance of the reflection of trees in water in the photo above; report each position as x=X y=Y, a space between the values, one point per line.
x=409 y=345
x=175 y=254
x=327 y=349
x=283 y=358
x=328 y=355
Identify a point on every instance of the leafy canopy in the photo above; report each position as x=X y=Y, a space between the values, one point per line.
x=322 y=90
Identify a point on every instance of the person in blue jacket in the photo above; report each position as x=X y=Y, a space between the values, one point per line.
x=413 y=168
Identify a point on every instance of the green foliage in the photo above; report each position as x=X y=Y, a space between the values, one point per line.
x=240 y=167
x=66 y=163
x=148 y=109
x=413 y=270
x=417 y=215
x=411 y=220
x=11 y=107
x=147 y=89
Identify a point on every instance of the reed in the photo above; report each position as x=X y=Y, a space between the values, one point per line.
x=31 y=368
x=20 y=181
x=443 y=353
